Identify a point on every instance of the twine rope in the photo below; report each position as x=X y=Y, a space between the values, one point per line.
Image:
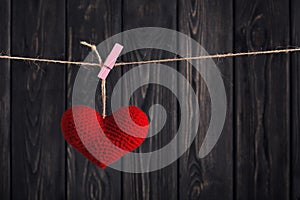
x=100 y=63
x=103 y=83
x=103 y=90
x=153 y=61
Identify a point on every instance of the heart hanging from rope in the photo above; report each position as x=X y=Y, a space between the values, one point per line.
x=103 y=141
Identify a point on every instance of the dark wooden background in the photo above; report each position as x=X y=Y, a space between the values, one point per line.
x=258 y=154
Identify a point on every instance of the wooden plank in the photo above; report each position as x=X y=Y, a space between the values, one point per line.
x=91 y=21
x=210 y=23
x=38 y=98
x=161 y=184
x=5 y=86
x=295 y=107
x=262 y=100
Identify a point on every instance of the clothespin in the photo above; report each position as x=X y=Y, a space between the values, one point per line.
x=110 y=61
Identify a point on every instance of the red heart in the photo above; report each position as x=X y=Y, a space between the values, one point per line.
x=119 y=134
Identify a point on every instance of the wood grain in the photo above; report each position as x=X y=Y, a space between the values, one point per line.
x=161 y=184
x=91 y=21
x=210 y=23
x=5 y=90
x=262 y=100
x=295 y=107
x=38 y=97
x=258 y=154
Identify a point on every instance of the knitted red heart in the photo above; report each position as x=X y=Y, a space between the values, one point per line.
x=104 y=141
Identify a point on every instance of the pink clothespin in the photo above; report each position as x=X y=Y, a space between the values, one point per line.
x=110 y=61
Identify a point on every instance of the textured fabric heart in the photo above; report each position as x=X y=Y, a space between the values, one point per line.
x=103 y=141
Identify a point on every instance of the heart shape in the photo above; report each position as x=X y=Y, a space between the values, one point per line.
x=103 y=141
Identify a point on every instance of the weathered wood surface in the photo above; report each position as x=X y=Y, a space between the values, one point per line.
x=210 y=23
x=38 y=101
x=161 y=184
x=5 y=90
x=295 y=107
x=93 y=22
x=262 y=101
x=257 y=155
